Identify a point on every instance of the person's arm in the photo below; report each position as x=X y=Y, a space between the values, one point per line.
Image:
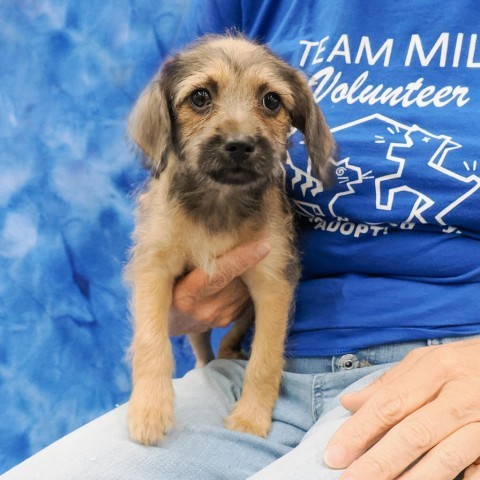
x=428 y=404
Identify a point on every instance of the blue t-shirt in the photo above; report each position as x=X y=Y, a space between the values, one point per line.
x=392 y=252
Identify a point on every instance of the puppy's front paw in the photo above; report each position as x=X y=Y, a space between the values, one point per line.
x=249 y=420
x=149 y=420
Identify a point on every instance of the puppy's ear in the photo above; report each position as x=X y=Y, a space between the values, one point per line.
x=307 y=117
x=150 y=123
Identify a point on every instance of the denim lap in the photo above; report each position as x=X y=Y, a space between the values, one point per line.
x=306 y=415
x=199 y=447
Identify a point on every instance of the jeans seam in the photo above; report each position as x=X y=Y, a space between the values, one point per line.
x=315 y=415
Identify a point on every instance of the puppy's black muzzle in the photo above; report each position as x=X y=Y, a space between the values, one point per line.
x=237 y=160
x=240 y=149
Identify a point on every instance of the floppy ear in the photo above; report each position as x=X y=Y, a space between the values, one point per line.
x=307 y=117
x=150 y=124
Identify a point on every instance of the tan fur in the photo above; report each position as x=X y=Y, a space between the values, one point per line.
x=169 y=240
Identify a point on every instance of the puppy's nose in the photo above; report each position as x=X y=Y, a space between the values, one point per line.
x=240 y=149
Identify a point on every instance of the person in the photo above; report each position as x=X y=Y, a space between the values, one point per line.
x=381 y=375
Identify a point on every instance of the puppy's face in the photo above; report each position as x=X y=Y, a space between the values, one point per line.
x=224 y=107
x=231 y=117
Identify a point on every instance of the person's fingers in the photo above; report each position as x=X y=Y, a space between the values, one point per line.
x=473 y=471
x=221 y=309
x=218 y=310
x=422 y=432
x=202 y=301
x=409 y=412
x=450 y=457
x=198 y=284
x=391 y=402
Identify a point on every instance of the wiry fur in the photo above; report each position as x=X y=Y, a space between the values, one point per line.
x=200 y=204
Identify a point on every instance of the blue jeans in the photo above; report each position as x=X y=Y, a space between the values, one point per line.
x=306 y=415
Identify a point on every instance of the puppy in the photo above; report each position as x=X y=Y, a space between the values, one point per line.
x=213 y=127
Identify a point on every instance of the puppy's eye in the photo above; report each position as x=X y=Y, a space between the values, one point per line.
x=201 y=98
x=271 y=101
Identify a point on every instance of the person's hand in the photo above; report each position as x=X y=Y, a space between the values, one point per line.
x=201 y=302
x=427 y=408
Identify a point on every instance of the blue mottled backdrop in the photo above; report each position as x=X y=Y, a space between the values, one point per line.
x=69 y=73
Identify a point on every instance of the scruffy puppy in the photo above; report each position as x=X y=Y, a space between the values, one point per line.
x=213 y=126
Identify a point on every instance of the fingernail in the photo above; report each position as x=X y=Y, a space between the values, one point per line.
x=335 y=456
x=262 y=249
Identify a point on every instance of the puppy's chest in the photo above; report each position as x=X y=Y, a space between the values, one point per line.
x=201 y=249
x=200 y=246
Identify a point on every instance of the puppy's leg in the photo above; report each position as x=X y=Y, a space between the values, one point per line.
x=151 y=404
x=201 y=347
x=230 y=346
x=272 y=299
